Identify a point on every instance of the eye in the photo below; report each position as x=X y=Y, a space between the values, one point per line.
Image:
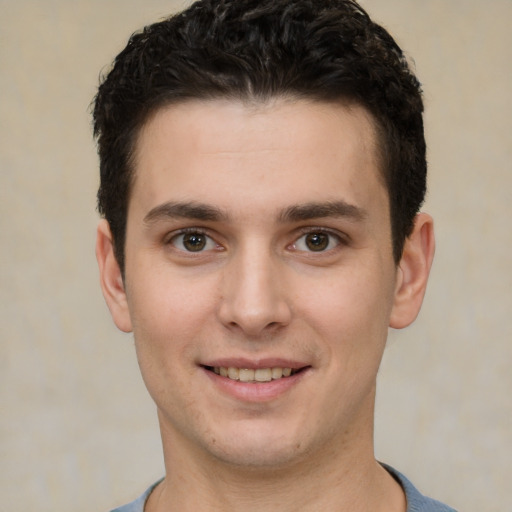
x=193 y=241
x=316 y=241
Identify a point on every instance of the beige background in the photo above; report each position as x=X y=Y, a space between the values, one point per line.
x=78 y=431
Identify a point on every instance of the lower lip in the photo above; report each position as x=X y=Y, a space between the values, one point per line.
x=255 y=391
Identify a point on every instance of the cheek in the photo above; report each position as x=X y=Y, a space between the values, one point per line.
x=167 y=303
x=351 y=311
x=165 y=331
x=171 y=315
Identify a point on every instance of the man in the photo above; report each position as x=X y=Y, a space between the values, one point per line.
x=262 y=169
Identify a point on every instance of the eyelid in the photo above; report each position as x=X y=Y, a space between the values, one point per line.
x=341 y=238
x=321 y=229
x=170 y=237
x=184 y=231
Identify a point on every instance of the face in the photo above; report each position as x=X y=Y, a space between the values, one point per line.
x=259 y=279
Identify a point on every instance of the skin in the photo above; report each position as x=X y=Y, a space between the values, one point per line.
x=256 y=183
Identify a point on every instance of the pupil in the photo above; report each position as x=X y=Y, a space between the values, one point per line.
x=317 y=241
x=194 y=242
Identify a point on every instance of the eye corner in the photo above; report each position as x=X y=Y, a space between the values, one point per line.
x=318 y=241
x=191 y=241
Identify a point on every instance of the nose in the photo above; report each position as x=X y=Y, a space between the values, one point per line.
x=253 y=294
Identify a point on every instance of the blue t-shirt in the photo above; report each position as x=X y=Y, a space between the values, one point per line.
x=416 y=502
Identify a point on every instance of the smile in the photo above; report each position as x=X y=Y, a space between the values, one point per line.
x=253 y=375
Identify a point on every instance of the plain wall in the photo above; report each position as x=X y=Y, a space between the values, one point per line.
x=78 y=430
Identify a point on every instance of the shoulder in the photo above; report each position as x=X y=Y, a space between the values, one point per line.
x=416 y=502
x=138 y=504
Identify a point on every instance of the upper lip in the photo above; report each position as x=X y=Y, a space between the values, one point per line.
x=255 y=364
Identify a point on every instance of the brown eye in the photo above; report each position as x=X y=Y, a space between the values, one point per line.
x=193 y=242
x=317 y=241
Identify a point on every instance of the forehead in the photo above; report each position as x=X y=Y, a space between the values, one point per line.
x=246 y=116
x=303 y=150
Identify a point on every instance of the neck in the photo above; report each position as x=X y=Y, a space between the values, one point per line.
x=340 y=477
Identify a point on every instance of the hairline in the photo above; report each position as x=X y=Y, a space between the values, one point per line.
x=256 y=102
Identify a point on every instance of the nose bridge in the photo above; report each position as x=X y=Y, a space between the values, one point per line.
x=253 y=298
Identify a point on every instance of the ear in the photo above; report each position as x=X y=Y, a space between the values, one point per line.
x=111 y=279
x=413 y=271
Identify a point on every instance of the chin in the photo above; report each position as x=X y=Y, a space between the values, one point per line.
x=254 y=459
x=256 y=449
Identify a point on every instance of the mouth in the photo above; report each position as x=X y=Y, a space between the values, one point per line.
x=256 y=375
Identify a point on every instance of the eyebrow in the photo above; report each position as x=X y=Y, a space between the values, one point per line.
x=309 y=211
x=184 y=210
x=294 y=213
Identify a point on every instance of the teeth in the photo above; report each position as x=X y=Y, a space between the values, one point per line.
x=249 y=375
x=245 y=375
x=263 y=375
x=233 y=373
x=277 y=373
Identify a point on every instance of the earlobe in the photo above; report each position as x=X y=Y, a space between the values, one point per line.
x=413 y=272
x=111 y=279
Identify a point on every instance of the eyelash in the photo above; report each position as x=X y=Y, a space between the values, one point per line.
x=191 y=231
x=332 y=236
x=338 y=238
